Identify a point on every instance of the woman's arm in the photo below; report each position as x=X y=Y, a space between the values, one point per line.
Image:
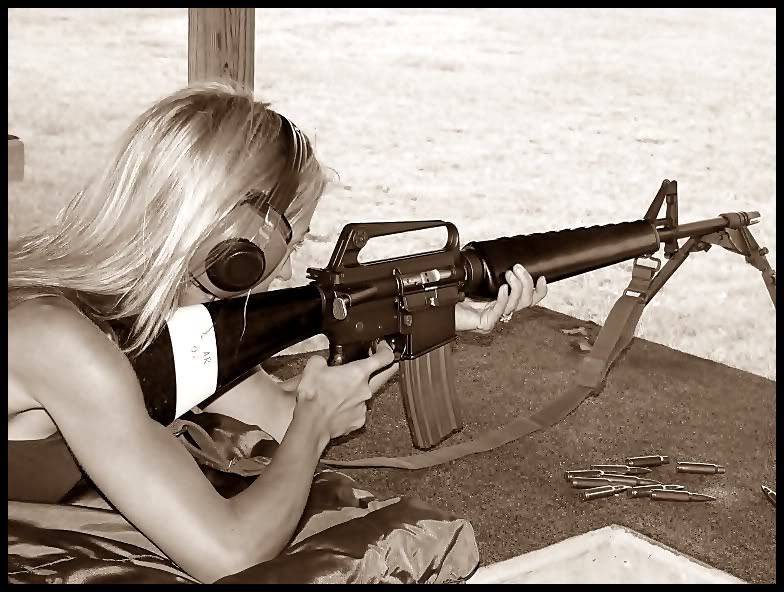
x=92 y=394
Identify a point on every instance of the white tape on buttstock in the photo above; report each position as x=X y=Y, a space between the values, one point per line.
x=195 y=355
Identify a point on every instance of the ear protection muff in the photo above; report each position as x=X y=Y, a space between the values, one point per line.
x=254 y=240
x=243 y=251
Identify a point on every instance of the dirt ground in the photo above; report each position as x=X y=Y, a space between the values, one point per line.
x=656 y=400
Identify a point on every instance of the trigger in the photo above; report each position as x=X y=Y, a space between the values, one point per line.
x=396 y=344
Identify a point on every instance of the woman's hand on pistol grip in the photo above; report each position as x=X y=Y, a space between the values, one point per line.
x=336 y=396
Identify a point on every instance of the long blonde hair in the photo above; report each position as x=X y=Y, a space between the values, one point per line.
x=122 y=244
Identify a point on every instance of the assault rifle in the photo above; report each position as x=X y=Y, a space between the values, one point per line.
x=409 y=301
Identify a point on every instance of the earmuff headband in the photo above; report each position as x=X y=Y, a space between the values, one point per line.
x=255 y=241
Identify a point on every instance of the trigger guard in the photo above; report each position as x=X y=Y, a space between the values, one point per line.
x=397 y=349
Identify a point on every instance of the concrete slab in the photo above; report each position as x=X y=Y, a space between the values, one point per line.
x=609 y=555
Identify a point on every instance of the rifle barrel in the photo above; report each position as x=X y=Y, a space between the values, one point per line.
x=700 y=228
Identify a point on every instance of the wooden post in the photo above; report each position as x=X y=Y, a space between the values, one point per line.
x=221 y=44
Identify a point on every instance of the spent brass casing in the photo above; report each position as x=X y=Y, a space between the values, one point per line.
x=610 y=475
x=601 y=491
x=628 y=480
x=645 y=490
x=654 y=460
x=680 y=496
x=569 y=475
x=770 y=494
x=699 y=468
x=622 y=469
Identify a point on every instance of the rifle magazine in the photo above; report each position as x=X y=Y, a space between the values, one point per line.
x=429 y=397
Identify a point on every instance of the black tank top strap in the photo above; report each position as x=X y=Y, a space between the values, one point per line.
x=42 y=470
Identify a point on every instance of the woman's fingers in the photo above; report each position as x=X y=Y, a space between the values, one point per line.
x=541 y=289
x=379 y=379
x=526 y=286
x=380 y=360
x=489 y=317
x=516 y=291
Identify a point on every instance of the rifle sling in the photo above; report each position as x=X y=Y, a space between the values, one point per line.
x=613 y=339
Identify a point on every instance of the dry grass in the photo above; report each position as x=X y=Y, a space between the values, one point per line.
x=502 y=121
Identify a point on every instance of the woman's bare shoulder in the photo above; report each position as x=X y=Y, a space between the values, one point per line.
x=42 y=321
x=53 y=346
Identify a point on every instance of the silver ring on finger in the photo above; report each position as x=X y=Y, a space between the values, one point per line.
x=505 y=318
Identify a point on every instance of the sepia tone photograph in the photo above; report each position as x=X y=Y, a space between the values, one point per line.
x=392 y=295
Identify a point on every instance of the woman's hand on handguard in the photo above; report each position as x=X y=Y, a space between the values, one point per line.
x=518 y=293
x=335 y=397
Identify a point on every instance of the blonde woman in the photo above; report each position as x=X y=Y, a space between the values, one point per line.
x=133 y=243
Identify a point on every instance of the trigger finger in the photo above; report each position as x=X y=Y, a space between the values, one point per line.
x=381 y=378
x=377 y=346
x=383 y=357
